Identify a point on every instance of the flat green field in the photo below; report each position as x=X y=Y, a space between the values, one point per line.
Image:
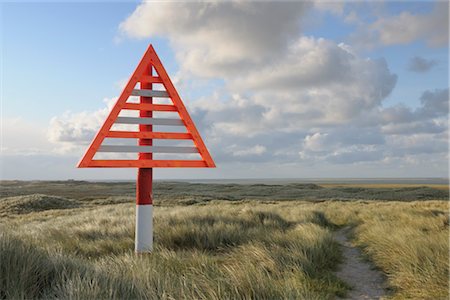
x=76 y=239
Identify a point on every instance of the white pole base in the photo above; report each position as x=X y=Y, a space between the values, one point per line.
x=144 y=228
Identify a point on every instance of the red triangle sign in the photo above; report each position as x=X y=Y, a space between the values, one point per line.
x=145 y=135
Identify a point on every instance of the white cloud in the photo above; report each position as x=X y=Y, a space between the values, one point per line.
x=73 y=131
x=225 y=37
x=407 y=27
x=334 y=7
x=315 y=142
x=435 y=103
x=283 y=81
x=318 y=83
x=344 y=145
x=430 y=117
x=247 y=151
x=287 y=98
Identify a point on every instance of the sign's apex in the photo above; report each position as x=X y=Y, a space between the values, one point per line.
x=165 y=100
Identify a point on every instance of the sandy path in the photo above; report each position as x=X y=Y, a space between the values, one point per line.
x=366 y=282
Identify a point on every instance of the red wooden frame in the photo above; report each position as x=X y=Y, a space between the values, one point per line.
x=143 y=75
x=152 y=107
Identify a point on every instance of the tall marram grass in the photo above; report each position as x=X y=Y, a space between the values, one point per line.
x=208 y=252
x=409 y=242
x=221 y=250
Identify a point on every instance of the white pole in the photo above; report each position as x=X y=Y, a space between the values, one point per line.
x=144 y=228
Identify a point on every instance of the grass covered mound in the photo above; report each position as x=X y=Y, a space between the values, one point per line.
x=34 y=203
x=184 y=193
x=172 y=192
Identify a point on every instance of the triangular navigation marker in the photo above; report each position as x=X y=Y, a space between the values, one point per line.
x=144 y=137
x=143 y=75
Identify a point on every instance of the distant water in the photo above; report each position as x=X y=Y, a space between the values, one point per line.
x=323 y=180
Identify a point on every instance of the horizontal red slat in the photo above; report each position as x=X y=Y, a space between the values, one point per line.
x=149 y=135
x=97 y=163
x=149 y=107
x=150 y=79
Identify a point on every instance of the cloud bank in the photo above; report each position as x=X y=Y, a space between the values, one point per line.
x=289 y=98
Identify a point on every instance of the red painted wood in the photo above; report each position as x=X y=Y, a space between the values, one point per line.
x=150 y=135
x=145 y=136
x=144 y=186
x=151 y=107
x=130 y=163
x=145 y=175
x=170 y=88
x=96 y=142
x=150 y=79
x=146 y=114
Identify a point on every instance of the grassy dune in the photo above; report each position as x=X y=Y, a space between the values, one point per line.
x=409 y=242
x=221 y=251
x=168 y=193
x=82 y=248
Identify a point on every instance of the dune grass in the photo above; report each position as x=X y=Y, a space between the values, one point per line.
x=409 y=242
x=178 y=193
x=444 y=187
x=34 y=203
x=208 y=252
x=240 y=249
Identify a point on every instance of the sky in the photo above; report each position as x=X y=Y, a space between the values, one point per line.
x=277 y=89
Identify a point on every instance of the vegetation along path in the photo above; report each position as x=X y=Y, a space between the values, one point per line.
x=366 y=282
